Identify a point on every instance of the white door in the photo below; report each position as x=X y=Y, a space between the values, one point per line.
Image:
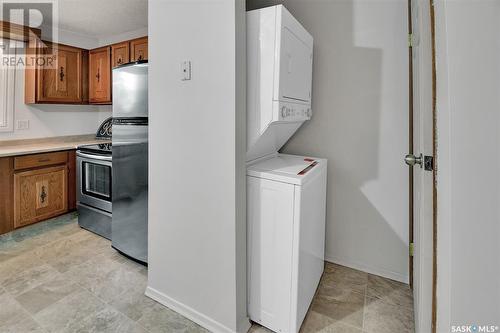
x=423 y=180
x=270 y=208
x=295 y=68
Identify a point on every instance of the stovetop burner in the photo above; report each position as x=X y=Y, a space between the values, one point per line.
x=101 y=148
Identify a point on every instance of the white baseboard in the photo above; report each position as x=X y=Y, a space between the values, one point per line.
x=192 y=314
x=368 y=269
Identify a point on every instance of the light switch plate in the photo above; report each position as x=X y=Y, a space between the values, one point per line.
x=23 y=124
x=186 y=70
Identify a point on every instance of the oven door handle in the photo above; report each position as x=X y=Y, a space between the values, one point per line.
x=94 y=157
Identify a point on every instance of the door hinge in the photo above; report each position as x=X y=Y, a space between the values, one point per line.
x=411 y=248
x=410 y=40
x=428 y=163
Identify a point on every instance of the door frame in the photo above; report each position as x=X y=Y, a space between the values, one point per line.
x=410 y=147
x=435 y=169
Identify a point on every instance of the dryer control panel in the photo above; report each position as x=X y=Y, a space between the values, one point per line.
x=294 y=112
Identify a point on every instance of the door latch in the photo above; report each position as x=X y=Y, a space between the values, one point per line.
x=428 y=163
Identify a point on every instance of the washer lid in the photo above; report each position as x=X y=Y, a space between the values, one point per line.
x=286 y=168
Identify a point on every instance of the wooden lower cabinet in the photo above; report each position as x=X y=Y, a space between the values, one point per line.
x=72 y=181
x=6 y=194
x=40 y=194
x=33 y=191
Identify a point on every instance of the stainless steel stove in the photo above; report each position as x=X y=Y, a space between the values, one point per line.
x=94 y=172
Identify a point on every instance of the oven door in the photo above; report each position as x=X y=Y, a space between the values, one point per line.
x=94 y=174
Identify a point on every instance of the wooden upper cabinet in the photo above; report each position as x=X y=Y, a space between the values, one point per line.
x=59 y=78
x=139 y=49
x=72 y=75
x=120 y=54
x=100 y=75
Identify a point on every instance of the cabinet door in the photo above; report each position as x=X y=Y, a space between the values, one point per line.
x=60 y=80
x=39 y=194
x=120 y=54
x=139 y=49
x=99 y=76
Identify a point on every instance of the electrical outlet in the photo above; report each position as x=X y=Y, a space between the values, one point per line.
x=186 y=70
x=23 y=124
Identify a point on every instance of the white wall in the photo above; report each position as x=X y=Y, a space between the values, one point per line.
x=197 y=227
x=56 y=120
x=468 y=161
x=360 y=124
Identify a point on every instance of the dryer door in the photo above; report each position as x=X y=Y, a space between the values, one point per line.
x=295 y=68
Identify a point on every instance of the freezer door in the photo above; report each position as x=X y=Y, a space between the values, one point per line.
x=130 y=192
x=130 y=91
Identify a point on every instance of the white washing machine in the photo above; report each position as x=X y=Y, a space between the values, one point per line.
x=286 y=194
x=286 y=199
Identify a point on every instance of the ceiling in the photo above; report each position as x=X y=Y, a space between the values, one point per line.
x=97 y=18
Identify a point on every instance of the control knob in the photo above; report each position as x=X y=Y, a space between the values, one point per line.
x=283 y=111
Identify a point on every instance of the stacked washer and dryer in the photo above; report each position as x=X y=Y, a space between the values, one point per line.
x=286 y=194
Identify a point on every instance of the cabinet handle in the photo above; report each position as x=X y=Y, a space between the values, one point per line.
x=119 y=61
x=98 y=76
x=140 y=57
x=43 y=195
x=61 y=74
x=44 y=160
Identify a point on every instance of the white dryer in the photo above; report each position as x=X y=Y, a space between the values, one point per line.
x=279 y=79
x=286 y=195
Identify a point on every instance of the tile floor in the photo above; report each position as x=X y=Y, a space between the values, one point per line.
x=56 y=277
x=351 y=301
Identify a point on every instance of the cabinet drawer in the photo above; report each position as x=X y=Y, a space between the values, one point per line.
x=40 y=160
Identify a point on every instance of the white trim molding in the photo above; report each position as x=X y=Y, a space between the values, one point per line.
x=7 y=92
x=192 y=314
x=368 y=269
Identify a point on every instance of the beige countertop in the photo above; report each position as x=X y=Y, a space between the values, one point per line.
x=34 y=146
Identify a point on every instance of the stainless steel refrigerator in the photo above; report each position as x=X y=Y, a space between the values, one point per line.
x=129 y=227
